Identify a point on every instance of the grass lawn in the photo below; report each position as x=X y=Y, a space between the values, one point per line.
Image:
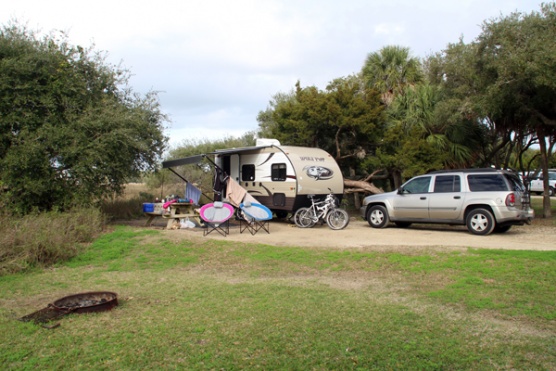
x=228 y=305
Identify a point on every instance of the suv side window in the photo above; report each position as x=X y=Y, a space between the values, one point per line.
x=487 y=183
x=418 y=185
x=447 y=183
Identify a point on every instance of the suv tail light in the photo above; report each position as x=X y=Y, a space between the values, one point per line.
x=510 y=199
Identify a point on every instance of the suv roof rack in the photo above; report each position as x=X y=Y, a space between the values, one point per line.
x=479 y=170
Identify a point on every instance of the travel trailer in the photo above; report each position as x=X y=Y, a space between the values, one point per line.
x=279 y=177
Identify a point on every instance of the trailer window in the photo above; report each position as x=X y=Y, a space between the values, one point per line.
x=278 y=172
x=247 y=173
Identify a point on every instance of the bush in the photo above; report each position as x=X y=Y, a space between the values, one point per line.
x=44 y=239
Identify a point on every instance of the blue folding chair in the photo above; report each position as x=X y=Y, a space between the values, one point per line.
x=255 y=217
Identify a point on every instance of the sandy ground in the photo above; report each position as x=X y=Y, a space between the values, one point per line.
x=358 y=234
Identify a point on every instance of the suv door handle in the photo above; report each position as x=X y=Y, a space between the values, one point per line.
x=457 y=197
x=423 y=198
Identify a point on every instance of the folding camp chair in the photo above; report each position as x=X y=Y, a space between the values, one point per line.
x=255 y=217
x=216 y=217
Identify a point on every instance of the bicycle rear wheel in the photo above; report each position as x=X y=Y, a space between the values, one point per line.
x=337 y=219
x=303 y=217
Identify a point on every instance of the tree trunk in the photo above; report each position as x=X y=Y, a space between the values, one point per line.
x=547 y=213
x=356 y=201
x=356 y=198
x=397 y=175
x=354 y=186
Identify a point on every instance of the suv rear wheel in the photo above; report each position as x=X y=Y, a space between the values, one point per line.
x=502 y=228
x=377 y=216
x=480 y=221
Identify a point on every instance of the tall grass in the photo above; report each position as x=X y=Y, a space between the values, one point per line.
x=43 y=239
x=124 y=209
x=129 y=205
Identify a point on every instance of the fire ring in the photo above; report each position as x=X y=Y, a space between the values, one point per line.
x=87 y=302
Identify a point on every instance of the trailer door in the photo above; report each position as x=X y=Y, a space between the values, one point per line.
x=234 y=167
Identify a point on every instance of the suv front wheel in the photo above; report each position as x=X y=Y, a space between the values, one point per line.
x=377 y=216
x=480 y=221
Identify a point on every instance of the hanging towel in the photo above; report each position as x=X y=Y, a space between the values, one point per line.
x=235 y=192
x=192 y=193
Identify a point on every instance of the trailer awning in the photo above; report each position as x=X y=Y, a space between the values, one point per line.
x=183 y=161
x=237 y=150
x=198 y=158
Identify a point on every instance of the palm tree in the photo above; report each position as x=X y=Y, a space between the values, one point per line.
x=391 y=70
x=421 y=113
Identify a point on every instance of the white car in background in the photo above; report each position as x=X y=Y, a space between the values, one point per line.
x=536 y=185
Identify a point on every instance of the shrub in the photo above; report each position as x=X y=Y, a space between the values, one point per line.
x=44 y=239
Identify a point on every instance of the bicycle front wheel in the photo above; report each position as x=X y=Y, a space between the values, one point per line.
x=337 y=219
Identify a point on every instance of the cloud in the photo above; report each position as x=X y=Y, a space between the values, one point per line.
x=217 y=63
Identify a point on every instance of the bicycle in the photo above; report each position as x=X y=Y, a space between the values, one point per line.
x=325 y=210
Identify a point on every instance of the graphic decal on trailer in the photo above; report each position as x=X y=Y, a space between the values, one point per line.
x=318 y=172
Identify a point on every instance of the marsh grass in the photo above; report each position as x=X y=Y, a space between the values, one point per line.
x=207 y=304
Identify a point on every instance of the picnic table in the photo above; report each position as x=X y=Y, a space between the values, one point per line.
x=174 y=213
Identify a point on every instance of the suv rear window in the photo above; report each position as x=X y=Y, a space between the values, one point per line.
x=516 y=183
x=487 y=183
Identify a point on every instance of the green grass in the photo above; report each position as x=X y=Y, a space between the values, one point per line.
x=207 y=304
x=537 y=205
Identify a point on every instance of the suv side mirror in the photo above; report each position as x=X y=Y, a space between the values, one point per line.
x=400 y=191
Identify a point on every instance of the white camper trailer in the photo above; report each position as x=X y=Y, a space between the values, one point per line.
x=279 y=177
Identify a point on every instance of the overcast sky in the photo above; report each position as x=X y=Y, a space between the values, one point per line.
x=217 y=63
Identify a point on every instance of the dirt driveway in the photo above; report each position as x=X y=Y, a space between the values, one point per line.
x=358 y=234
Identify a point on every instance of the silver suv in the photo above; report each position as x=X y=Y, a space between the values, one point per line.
x=485 y=200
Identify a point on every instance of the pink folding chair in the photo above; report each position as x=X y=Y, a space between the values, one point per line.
x=216 y=217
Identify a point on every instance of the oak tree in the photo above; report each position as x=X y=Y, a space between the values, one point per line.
x=72 y=131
